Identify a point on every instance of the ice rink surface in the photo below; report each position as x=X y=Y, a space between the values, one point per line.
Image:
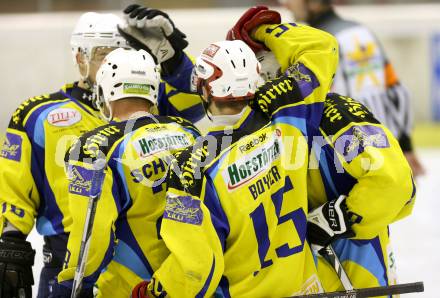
x=416 y=239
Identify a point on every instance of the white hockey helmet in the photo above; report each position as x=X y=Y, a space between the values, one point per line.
x=96 y=30
x=270 y=68
x=126 y=73
x=227 y=71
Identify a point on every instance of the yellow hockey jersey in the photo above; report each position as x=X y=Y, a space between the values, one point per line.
x=41 y=130
x=237 y=203
x=354 y=155
x=32 y=176
x=128 y=214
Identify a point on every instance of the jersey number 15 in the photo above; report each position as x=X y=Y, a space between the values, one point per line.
x=297 y=216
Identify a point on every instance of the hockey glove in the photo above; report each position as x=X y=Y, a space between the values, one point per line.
x=140 y=290
x=250 y=20
x=16 y=261
x=153 y=30
x=328 y=223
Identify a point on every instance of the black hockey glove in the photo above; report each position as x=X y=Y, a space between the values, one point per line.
x=328 y=223
x=16 y=261
x=153 y=30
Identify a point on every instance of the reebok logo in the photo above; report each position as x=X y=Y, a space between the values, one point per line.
x=254 y=142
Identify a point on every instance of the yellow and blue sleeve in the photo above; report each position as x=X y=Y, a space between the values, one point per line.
x=383 y=189
x=309 y=54
x=102 y=237
x=195 y=264
x=19 y=196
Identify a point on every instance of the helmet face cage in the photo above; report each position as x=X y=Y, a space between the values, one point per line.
x=96 y=30
x=270 y=68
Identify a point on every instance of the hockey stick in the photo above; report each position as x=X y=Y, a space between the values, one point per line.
x=414 y=287
x=95 y=192
x=330 y=256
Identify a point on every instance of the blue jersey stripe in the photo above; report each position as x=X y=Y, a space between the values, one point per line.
x=364 y=253
x=202 y=292
x=218 y=216
x=49 y=218
x=127 y=257
x=125 y=234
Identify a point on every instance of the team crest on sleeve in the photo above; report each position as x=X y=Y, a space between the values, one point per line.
x=11 y=148
x=80 y=180
x=183 y=209
x=64 y=117
x=354 y=141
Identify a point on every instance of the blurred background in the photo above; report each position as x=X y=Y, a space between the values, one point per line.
x=35 y=58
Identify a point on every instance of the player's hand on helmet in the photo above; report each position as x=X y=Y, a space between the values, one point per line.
x=140 y=290
x=154 y=31
x=328 y=222
x=249 y=21
x=16 y=261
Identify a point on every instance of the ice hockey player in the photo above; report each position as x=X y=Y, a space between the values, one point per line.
x=356 y=163
x=136 y=145
x=235 y=216
x=365 y=73
x=32 y=163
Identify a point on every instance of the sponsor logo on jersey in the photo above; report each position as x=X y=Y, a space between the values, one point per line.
x=64 y=117
x=246 y=168
x=11 y=148
x=252 y=143
x=130 y=88
x=159 y=142
x=354 y=141
x=191 y=170
x=332 y=108
x=92 y=144
x=16 y=117
x=80 y=180
x=211 y=50
x=183 y=209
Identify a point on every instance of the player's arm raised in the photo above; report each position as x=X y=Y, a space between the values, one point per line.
x=302 y=51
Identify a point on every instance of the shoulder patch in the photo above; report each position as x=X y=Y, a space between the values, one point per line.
x=184 y=209
x=340 y=111
x=80 y=180
x=354 y=141
x=11 y=148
